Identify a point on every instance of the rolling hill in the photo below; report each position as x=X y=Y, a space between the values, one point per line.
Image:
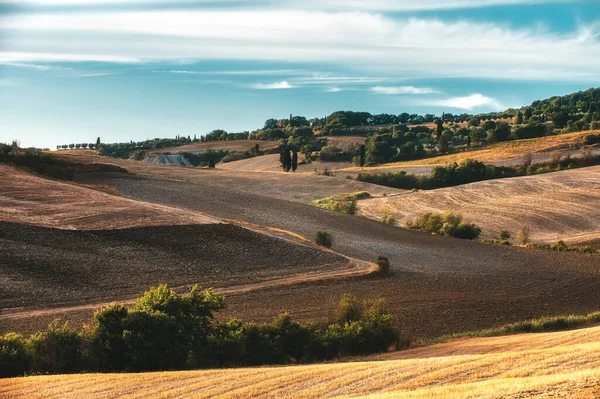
x=563 y=364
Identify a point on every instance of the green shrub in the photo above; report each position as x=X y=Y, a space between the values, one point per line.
x=108 y=348
x=14 y=356
x=388 y=216
x=504 y=235
x=324 y=239
x=384 y=265
x=342 y=203
x=57 y=350
x=591 y=139
x=448 y=224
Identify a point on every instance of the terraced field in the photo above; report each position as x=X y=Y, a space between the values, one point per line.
x=551 y=365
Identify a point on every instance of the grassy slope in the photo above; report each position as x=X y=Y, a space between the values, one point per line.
x=552 y=364
x=561 y=205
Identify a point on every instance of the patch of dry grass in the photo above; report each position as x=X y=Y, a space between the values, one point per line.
x=505 y=367
x=500 y=151
x=555 y=206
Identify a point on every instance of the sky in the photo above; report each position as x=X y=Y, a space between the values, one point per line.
x=75 y=70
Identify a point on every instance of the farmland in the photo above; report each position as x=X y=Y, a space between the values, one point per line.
x=550 y=365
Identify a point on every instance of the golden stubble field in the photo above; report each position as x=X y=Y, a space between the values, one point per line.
x=563 y=364
x=555 y=206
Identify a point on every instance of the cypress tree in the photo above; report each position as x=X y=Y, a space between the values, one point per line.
x=288 y=166
x=256 y=149
x=362 y=155
x=295 y=161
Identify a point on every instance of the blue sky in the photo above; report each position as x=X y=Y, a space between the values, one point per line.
x=73 y=70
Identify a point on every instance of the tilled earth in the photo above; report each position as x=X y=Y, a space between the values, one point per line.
x=439 y=285
x=44 y=267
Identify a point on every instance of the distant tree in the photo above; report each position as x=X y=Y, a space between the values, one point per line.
x=528 y=114
x=256 y=149
x=84 y=145
x=362 y=155
x=560 y=120
x=286 y=160
x=98 y=143
x=518 y=120
x=77 y=146
x=288 y=165
x=211 y=163
x=294 y=161
x=469 y=141
x=474 y=122
x=443 y=144
x=270 y=124
x=489 y=125
x=324 y=239
x=439 y=128
x=306 y=150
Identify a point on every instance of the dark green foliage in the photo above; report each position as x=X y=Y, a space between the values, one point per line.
x=362 y=155
x=447 y=224
x=204 y=158
x=345 y=203
x=51 y=165
x=324 y=239
x=56 y=350
x=294 y=161
x=211 y=163
x=504 y=235
x=591 y=139
x=530 y=131
x=384 y=265
x=15 y=359
x=399 y=179
x=560 y=119
x=165 y=331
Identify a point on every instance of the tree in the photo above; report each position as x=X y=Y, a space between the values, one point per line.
x=306 y=150
x=362 y=155
x=289 y=160
x=528 y=114
x=295 y=161
x=560 y=120
x=286 y=160
x=270 y=124
x=98 y=143
x=443 y=144
x=518 y=120
x=474 y=122
x=256 y=149
x=211 y=163
x=439 y=128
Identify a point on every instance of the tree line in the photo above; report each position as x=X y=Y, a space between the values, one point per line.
x=165 y=331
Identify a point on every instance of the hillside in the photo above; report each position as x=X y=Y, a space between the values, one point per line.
x=563 y=364
x=555 y=206
x=231 y=145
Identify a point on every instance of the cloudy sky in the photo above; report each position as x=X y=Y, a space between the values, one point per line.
x=73 y=70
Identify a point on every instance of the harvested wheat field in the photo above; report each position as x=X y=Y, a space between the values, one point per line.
x=563 y=364
x=555 y=206
x=506 y=153
x=25 y=198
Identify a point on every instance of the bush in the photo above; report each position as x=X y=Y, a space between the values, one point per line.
x=345 y=203
x=324 y=239
x=57 y=350
x=504 y=235
x=384 y=265
x=591 y=139
x=14 y=357
x=523 y=235
x=388 y=216
x=448 y=224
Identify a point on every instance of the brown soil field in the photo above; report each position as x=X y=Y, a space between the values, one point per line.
x=438 y=285
x=270 y=163
x=555 y=206
x=25 y=198
x=233 y=145
x=551 y=365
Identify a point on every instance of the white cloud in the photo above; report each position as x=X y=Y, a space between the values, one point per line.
x=362 y=40
x=371 y=5
x=403 y=90
x=469 y=102
x=273 y=86
x=333 y=90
